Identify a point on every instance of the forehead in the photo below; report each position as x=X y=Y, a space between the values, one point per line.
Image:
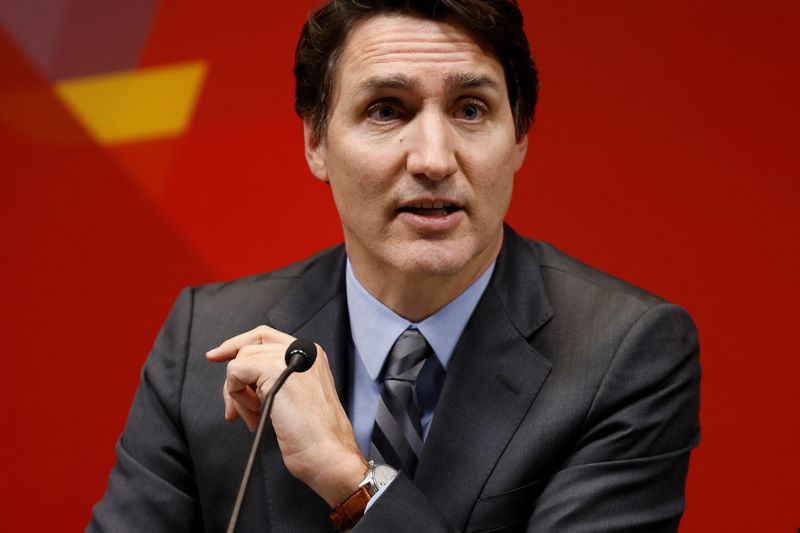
x=427 y=52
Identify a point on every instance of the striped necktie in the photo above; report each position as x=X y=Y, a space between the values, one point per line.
x=397 y=433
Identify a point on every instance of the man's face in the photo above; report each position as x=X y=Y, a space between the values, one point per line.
x=420 y=149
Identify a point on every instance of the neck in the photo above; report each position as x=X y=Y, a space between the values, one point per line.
x=416 y=296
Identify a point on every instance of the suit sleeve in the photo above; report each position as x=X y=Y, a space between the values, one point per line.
x=151 y=487
x=627 y=472
x=627 y=469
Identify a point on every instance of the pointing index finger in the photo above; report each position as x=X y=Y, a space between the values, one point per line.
x=259 y=335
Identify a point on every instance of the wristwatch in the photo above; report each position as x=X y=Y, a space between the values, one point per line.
x=349 y=512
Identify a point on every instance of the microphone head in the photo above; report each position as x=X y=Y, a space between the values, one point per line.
x=301 y=354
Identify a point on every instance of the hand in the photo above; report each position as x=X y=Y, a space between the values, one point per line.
x=313 y=432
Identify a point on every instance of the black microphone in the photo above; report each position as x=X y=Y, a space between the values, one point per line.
x=300 y=355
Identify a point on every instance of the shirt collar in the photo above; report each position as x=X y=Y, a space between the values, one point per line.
x=375 y=327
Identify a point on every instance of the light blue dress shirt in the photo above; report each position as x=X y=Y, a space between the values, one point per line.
x=375 y=328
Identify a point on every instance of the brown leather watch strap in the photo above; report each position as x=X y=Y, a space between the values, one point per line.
x=349 y=512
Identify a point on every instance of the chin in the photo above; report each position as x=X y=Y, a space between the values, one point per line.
x=431 y=259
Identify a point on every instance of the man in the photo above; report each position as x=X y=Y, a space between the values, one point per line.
x=546 y=396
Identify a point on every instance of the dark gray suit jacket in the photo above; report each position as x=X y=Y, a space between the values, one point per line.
x=570 y=404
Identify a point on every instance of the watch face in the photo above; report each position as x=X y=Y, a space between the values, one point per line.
x=383 y=474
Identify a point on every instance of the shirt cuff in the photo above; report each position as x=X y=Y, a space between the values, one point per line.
x=376 y=496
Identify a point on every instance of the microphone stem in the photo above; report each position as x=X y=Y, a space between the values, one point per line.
x=267 y=408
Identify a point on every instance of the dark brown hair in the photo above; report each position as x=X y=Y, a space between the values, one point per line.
x=498 y=22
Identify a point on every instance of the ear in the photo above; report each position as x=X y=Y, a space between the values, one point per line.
x=315 y=153
x=519 y=152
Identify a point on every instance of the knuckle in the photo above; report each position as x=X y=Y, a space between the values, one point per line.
x=233 y=373
x=245 y=351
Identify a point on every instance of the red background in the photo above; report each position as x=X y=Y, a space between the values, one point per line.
x=664 y=151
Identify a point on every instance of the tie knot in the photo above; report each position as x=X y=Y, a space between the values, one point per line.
x=407 y=356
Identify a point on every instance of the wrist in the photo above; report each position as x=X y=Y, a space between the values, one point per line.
x=348 y=513
x=343 y=478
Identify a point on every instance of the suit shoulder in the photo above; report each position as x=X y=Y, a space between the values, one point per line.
x=571 y=276
x=262 y=290
x=580 y=294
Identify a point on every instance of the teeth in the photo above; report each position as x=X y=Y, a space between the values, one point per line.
x=431 y=204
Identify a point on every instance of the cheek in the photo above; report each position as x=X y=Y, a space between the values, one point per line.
x=507 y=167
x=492 y=179
x=361 y=171
x=498 y=196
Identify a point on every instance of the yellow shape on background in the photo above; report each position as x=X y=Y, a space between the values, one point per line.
x=136 y=104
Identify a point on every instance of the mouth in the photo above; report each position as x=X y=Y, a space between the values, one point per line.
x=430 y=208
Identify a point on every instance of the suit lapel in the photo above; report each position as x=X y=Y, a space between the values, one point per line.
x=315 y=309
x=492 y=379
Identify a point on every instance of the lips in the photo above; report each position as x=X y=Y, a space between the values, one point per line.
x=430 y=207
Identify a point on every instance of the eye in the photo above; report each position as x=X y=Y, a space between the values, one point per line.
x=471 y=111
x=383 y=112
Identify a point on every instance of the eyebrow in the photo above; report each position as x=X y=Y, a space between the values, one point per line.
x=396 y=81
x=469 y=81
x=453 y=82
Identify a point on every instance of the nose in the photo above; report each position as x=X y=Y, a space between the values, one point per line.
x=431 y=153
